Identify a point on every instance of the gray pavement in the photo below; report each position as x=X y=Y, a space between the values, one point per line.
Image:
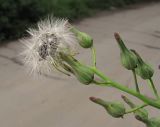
x=60 y=101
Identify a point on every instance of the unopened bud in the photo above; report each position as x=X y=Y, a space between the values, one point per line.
x=83 y=73
x=144 y=70
x=84 y=39
x=140 y=114
x=153 y=122
x=128 y=58
x=115 y=109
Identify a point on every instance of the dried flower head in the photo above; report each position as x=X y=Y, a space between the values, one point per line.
x=42 y=49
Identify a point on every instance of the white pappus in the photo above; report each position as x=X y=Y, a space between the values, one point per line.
x=41 y=50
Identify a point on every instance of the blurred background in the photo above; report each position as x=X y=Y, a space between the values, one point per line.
x=17 y=15
x=57 y=100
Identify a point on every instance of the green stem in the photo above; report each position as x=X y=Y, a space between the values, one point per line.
x=154 y=88
x=93 y=56
x=101 y=83
x=135 y=79
x=136 y=108
x=121 y=87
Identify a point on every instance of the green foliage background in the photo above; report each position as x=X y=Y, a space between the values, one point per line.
x=17 y=15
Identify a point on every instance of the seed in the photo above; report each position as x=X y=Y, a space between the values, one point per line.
x=43 y=51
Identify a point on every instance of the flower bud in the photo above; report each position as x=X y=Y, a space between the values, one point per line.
x=140 y=114
x=128 y=58
x=83 y=73
x=84 y=39
x=115 y=109
x=144 y=70
x=153 y=122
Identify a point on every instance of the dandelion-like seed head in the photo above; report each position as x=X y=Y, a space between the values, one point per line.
x=51 y=37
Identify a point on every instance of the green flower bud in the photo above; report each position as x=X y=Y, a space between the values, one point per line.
x=141 y=114
x=144 y=70
x=115 y=109
x=153 y=122
x=83 y=73
x=128 y=58
x=84 y=39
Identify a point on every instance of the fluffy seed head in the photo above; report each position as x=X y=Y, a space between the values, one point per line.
x=41 y=50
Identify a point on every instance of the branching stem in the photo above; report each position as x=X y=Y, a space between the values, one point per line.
x=136 y=108
x=151 y=102
x=154 y=88
x=93 y=56
x=136 y=82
